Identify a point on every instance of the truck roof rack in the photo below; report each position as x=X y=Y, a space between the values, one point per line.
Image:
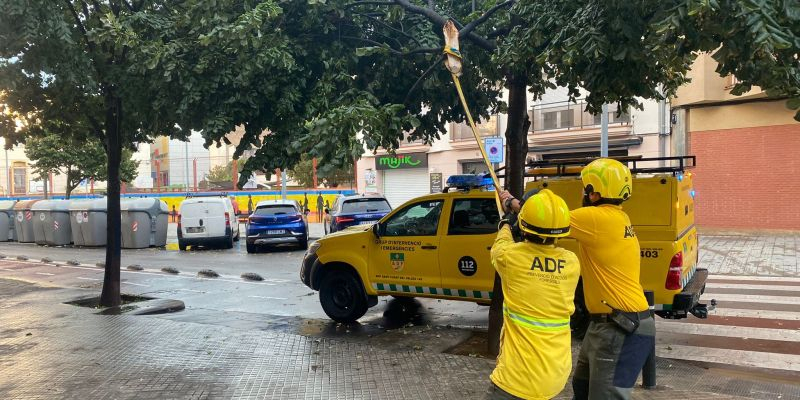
x=637 y=165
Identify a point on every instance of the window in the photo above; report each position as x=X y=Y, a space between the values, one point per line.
x=20 y=180
x=365 y=206
x=473 y=217
x=275 y=210
x=419 y=219
x=474 y=167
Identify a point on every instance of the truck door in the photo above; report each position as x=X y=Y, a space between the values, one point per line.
x=464 y=255
x=404 y=258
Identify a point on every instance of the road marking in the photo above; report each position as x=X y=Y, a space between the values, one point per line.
x=710 y=286
x=44 y=273
x=88 y=279
x=751 y=298
x=275 y=280
x=135 y=284
x=766 y=314
x=753 y=278
x=190 y=290
x=744 y=358
x=787 y=335
x=10 y=270
x=268 y=297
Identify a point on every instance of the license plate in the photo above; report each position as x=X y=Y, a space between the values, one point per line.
x=366 y=222
x=197 y=229
x=276 y=232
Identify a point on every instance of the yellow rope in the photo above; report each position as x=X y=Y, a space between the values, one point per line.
x=455 y=53
x=495 y=181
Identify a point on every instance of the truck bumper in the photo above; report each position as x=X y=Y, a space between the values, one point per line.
x=688 y=300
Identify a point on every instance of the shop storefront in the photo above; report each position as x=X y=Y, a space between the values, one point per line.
x=403 y=176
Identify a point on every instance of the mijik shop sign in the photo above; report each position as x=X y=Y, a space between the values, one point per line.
x=401 y=161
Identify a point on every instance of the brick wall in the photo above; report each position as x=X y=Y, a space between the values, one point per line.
x=748 y=177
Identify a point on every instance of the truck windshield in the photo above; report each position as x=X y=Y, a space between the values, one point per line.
x=365 y=206
x=275 y=210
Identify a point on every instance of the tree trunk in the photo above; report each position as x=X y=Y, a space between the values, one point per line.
x=517 y=141
x=111 y=296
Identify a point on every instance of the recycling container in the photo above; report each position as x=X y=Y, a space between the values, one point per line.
x=7 y=220
x=144 y=223
x=23 y=221
x=88 y=221
x=51 y=224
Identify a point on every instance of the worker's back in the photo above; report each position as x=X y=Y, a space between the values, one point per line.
x=539 y=286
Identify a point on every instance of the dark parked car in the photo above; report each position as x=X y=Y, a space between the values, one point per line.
x=357 y=210
x=276 y=222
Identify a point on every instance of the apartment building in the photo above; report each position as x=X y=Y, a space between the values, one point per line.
x=559 y=128
x=746 y=148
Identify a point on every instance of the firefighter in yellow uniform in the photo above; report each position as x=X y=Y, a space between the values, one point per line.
x=622 y=330
x=539 y=282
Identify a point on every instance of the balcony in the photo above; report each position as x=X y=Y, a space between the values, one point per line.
x=462 y=131
x=566 y=116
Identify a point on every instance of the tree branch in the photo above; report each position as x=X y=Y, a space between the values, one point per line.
x=498 y=32
x=423 y=76
x=439 y=21
x=80 y=24
x=395 y=51
x=370 y=3
x=391 y=28
x=472 y=25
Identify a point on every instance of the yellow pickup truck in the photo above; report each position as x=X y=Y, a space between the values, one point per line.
x=438 y=245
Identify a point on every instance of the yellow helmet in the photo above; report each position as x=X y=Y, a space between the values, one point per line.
x=545 y=214
x=610 y=178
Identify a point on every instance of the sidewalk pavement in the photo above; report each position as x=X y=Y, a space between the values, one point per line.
x=750 y=253
x=52 y=350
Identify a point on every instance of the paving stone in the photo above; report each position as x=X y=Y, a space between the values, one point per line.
x=74 y=353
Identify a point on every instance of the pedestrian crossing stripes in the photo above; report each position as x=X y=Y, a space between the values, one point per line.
x=756 y=324
x=385 y=288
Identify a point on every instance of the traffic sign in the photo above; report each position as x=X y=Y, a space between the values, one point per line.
x=494 y=149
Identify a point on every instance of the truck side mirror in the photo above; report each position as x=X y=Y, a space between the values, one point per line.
x=376 y=230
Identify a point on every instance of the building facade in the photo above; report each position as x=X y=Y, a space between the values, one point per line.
x=175 y=164
x=559 y=129
x=746 y=148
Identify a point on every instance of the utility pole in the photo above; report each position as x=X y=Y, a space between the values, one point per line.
x=186 y=163
x=283 y=184
x=8 y=171
x=604 y=131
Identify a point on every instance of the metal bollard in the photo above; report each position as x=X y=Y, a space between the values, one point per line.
x=649 y=369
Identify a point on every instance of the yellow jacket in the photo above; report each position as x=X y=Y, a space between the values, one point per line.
x=539 y=287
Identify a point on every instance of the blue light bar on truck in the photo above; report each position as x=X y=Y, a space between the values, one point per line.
x=468 y=181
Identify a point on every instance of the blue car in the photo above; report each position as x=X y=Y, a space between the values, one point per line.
x=357 y=210
x=276 y=222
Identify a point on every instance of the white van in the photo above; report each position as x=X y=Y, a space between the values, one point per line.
x=207 y=221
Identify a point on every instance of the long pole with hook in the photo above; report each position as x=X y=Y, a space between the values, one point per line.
x=453 y=64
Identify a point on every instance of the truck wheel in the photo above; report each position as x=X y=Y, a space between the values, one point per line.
x=342 y=296
x=181 y=246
